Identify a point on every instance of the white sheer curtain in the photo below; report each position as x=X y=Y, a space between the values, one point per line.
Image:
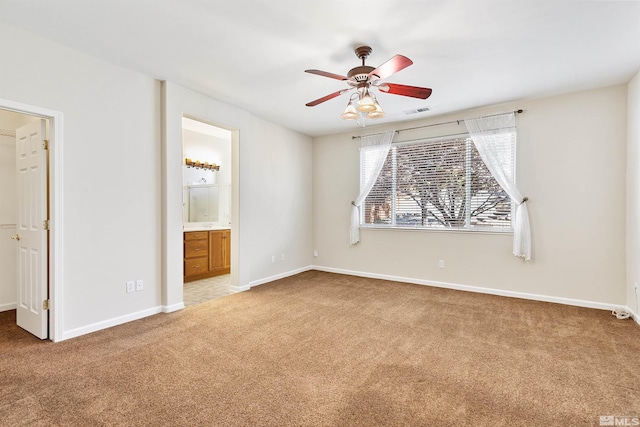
x=491 y=135
x=373 y=152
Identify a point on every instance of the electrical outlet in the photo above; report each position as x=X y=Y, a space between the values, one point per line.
x=441 y=263
x=273 y=258
x=315 y=252
x=281 y=257
x=139 y=285
x=131 y=286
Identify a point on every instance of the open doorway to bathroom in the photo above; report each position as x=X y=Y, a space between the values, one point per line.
x=206 y=211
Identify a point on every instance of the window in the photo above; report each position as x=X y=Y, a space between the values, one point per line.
x=437 y=184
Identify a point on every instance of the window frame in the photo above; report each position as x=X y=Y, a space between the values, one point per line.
x=467 y=228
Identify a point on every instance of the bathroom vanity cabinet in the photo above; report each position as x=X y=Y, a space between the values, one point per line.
x=206 y=254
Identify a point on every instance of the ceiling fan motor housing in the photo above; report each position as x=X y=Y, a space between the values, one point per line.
x=360 y=74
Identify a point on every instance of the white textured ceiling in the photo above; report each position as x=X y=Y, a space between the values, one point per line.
x=253 y=53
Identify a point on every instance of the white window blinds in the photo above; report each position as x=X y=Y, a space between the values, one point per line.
x=437 y=184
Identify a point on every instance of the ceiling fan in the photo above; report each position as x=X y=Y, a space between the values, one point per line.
x=362 y=78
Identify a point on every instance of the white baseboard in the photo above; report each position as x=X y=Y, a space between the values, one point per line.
x=482 y=290
x=7 y=307
x=280 y=276
x=635 y=316
x=492 y=291
x=109 y=323
x=173 y=307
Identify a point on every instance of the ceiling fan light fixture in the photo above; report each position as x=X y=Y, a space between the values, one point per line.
x=366 y=104
x=350 y=112
x=378 y=113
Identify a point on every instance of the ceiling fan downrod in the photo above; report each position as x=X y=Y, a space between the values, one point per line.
x=363 y=52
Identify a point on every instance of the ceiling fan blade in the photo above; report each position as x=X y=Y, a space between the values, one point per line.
x=326 y=98
x=326 y=74
x=404 y=90
x=390 y=67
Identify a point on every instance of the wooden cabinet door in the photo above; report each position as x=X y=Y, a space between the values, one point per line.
x=216 y=254
x=219 y=250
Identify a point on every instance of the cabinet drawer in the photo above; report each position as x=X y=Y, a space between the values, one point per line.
x=195 y=266
x=195 y=235
x=196 y=248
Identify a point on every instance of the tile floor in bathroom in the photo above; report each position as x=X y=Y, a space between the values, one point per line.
x=204 y=290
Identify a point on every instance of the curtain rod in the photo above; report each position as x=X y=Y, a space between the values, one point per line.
x=431 y=137
x=438 y=124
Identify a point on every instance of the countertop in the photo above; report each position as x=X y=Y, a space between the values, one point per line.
x=204 y=227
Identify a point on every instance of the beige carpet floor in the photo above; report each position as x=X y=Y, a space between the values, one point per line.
x=321 y=349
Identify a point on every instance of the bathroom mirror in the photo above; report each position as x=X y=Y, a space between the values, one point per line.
x=201 y=203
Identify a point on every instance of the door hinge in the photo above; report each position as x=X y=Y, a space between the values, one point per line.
x=45 y=224
x=45 y=144
x=45 y=304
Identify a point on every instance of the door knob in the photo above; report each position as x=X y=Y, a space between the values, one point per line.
x=16 y=237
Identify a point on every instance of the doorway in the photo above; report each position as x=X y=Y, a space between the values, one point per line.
x=14 y=116
x=206 y=210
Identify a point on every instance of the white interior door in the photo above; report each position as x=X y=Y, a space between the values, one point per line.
x=31 y=238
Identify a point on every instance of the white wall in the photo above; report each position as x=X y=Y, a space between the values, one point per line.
x=278 y=197
x=111 y=177
x=571 y=165
x=269 y=162
x=118 y=162
x=633 y=194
